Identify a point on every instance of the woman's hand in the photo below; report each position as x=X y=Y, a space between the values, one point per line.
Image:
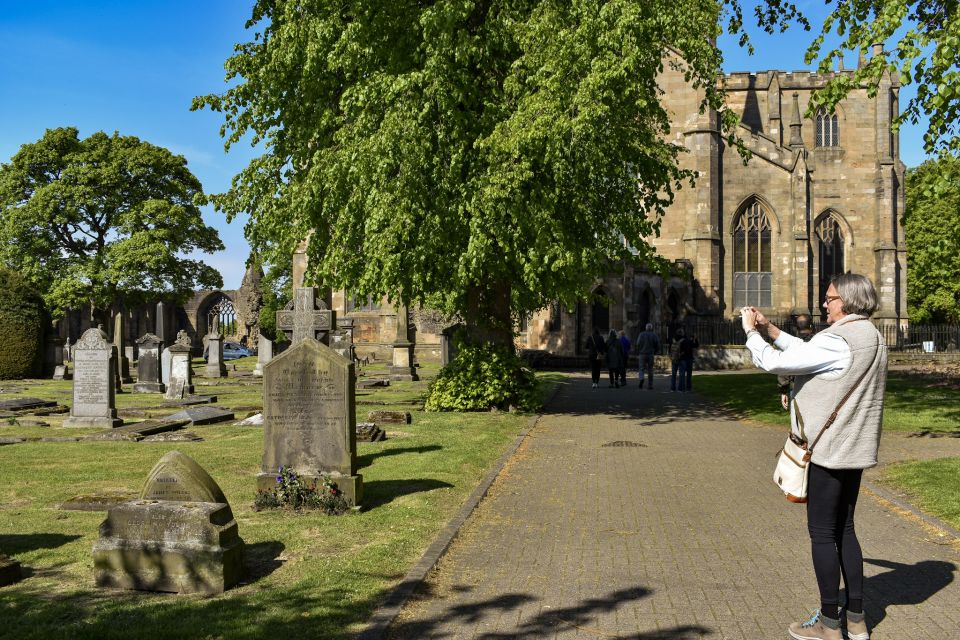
x=748 y=319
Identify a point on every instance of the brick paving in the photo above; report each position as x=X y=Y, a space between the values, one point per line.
x=645 y=514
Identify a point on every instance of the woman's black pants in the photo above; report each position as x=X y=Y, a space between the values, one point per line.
x=595 y=370
x=831 y=501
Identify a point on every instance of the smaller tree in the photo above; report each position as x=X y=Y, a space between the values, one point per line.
x=932 y=224
x=91 y=221
x=22 y=318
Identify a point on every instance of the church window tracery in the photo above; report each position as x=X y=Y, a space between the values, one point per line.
x=752 y=276
x=828 y=129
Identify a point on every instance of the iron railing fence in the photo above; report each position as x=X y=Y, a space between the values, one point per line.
x=917 y=338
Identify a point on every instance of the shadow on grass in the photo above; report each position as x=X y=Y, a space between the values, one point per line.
x=380 y=492
x=261 y=559
x=367 y=459
x=903 y=584
x=545 y=624
x=15 y=543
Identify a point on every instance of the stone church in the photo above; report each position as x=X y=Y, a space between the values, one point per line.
x=821 y=195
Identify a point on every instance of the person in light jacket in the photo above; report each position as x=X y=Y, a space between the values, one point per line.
x=848 y=356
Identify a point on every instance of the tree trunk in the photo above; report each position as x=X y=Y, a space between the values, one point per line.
x=488 y=317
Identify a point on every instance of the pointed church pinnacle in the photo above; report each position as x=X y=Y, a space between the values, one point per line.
x=795 y=124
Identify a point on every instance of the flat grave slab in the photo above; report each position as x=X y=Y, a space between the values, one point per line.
x=139 y=431
x=390 y=417
x=95 y=501
x=372 y=383
x=189 y=401
x=369 y=432
x=174 y=436
x=203 y=415
x=25 y=404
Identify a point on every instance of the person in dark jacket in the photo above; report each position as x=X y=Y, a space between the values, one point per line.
x=595 y=350
x=805 y=331
x=615 y=358
x=625 y=345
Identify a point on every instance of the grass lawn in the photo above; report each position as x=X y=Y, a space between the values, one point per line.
x=913 y=402
x=308 y=575
x=934 y=484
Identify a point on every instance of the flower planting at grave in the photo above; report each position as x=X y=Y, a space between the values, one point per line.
x=296 y=493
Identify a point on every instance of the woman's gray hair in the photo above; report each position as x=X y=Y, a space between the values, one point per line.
x=857 y=293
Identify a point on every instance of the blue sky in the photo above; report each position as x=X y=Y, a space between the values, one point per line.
x=134 y=67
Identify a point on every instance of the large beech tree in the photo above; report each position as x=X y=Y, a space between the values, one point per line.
x=477 y=155
x=90 y=222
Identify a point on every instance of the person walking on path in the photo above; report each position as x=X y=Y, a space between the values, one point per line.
x=625 y=346
x=648 y=346
x=615 y=358
x=848 y=360
x=595 y=350
x=681 y=356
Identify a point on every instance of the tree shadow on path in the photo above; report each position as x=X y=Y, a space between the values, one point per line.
x=903 y=584
x=546 y=623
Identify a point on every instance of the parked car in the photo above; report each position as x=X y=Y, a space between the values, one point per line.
x=234 y=350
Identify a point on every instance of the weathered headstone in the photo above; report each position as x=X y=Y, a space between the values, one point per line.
x=370 y=432
x=310 y=418
x=9 y=570
x=264 y=354
x=341 y=340
x=402 y=368
x=181 y=373
x=94 y=399
x=165 y=359
x=148 y=365
x=306 y=317
x=53 y=356
x=67 y=357
x=119 y=341
x=215 y=366
x=179 y=536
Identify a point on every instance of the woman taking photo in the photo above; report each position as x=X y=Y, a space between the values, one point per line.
x=843 y=366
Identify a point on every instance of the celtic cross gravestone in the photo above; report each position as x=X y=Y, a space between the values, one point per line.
x=306 y=317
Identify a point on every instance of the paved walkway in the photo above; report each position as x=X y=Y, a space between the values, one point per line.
x=644 y=514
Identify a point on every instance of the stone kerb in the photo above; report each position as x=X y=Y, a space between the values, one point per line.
x=309 y=416
x=94 y=391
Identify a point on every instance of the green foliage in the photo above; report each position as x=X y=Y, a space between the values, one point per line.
x=293 y=492
x=275 y=287
x=87 y=220
x=482 y=377
x=484 y=156
x=22 y=319
x=932 y=225
x=922 y=38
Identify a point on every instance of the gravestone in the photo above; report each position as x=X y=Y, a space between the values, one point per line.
x=179 y=536
x=306 y=317
x=94 y=399
x=402 y=368
x=370 y=432
x=66 y=352
x=9 y=570
x=264 y=355
x=310 y=418
x=165 y=359
x=148 y=365
x=139 y=431
x=341 y=341
x=202 y=415
x=53 y=356
x=215 y=367
x=160 y=327
x=119 y=341
x=181 y=373
x=389 y=417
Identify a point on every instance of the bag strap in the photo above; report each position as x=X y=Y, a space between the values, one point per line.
x=833 y=416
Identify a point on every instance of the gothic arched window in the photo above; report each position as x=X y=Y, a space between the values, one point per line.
x=828 y=129
x=752 y=277
x=830 y=250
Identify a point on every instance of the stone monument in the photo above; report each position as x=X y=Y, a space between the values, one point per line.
x=148 y=365
x=309 y=417
x=264 y=354
x=402 y=368
x=181 y=373
x=215 y=366
x=305 y=316
x=119 y=341
x=179 y=536
x=94 y=399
